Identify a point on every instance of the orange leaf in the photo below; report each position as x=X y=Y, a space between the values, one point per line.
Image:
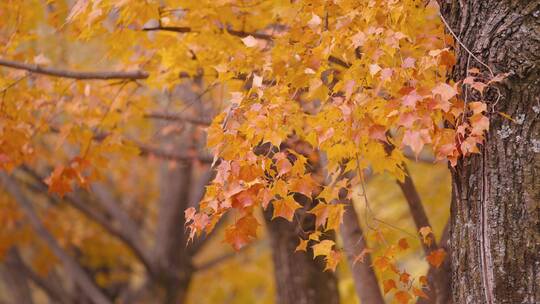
x=403 y=297
x=404 y=277
x=436 y=257
x=285 y=208
x=242 y=233
x=389 y=285
x=403 y=244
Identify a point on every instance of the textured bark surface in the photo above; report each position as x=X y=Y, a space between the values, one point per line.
x=299 y=278
x=495 y=216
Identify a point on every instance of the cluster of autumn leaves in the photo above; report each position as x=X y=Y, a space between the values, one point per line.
x=347 y=78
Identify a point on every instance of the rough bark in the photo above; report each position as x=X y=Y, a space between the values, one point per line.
x=299 y=278
x=495 y=216
x=365 y=280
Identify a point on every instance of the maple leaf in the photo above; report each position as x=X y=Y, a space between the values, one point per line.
x=59 y=181
x=242 y=233
x=332 y=260
x=285 y=208
x=436 y=257
x=381 y=262
x=404 y=277
x=416 y=140
x=445 y=91
x=402 y=297
x=323 y=248
x=388 y=285
x=335 y=216
x=403 y=244
x=305 y=185
x=320 y=211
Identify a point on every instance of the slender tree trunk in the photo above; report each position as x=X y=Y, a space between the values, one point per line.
x=14 y=279
x=300 y=279
x=495 y=216
x=365 y=280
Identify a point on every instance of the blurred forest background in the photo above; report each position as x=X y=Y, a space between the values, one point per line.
x=131 y=222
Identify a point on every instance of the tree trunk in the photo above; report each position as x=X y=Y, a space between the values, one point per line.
x=365 y=280
x=299 y=278
x=495 y=216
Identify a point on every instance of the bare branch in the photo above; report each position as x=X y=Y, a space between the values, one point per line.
x=14 y=280
x=180 y=117
x=55 y=292
x=76 y=272
x=131 y=241
x=97 y=75
x=148 y=150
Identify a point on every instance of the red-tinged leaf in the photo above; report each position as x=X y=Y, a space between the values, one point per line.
x=436 y=257
x=377 y=132
x=283 y=166
x=265 y=196
x=479 y=124
x=242 y=233
x=388 y=285
x=407 y=119
x=381 y=263
x=59 y=181
x=403 y=244
x=246 y=198
x=477 y=107
x=419 y=293
x=415 y=140
x=404 y=277
x=410 y=99
x=402 y=297
x=285 y=208
x=408 y=63
x=305 y=185
x=445 y=91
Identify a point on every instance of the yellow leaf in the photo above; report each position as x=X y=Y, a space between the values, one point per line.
x=322 y=248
